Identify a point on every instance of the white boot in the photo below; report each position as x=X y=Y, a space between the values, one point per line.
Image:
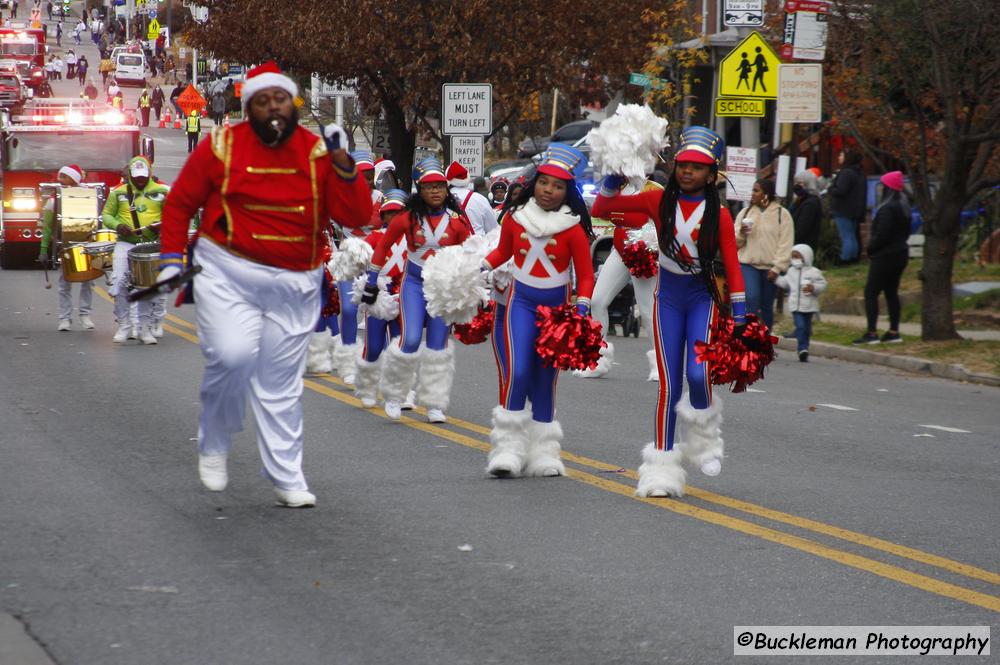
x=603 y=364
x=345 y=361
x=699 y=432
x=509 y=437
x=543 y=450
x=437 y=371
x=122 y=334
x=661 y=473
x=332 y=344
x=366 y=381
x=397 y=377
x=654 y=372
x=212 y=471
x=318 y=357
x=146 y=335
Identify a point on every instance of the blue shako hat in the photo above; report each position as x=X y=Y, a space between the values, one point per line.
x=701 y=145
x=428 y=169
x=394 y=199
x=364 y=159
x=562 y=161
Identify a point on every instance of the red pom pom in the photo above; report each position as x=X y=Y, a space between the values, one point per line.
x=332 y=305
x=567 y=339
x=739 y=361
x=479 y=328
x=639 y=259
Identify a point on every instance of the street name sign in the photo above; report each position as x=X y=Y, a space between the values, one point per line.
x=739 y=107
x=466 y=108
x=801 y=96
x=468 y=151
x=738 y=13
x=750 y=70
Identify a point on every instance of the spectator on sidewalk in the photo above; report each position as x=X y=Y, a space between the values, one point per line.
x=174 y=94
x=59 y=32
x=848 y=195
x=70 y=64
x=765 y=234
x=78 y=30
x=157 y=100
x=888 y=253
x=105 y=68
x=804 y=283
x=807 y=209
x=81 y=68
x=91 y=91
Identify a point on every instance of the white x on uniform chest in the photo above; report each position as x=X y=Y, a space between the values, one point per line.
x=685 y=228
x=536 y=254
x=396 y=260
x=433 y=236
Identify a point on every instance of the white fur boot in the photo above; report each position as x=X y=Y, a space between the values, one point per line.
x=603 y=364
x=344 y=360
x=397 y=377
x=332 y=345
x=318 y=357
x=661 y=473
x=543 y=449
x=509 y=437
x=699 y=432
x=437 y=371
x=366 y=381
x=654 y=372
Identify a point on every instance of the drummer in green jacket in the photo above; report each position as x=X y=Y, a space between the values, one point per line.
x=69 y=176
x=137 y=202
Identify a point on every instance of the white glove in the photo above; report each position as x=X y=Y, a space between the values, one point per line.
x=335 y=137
x=168 y=271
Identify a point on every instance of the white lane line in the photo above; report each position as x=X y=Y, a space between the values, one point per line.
x=838 y=407
x=942 y=428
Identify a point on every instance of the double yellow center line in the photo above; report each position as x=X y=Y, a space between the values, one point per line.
x=335 y=389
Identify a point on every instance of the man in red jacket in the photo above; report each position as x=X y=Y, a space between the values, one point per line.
x=268 y=188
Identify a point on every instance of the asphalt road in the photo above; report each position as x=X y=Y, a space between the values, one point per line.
x=847 y=498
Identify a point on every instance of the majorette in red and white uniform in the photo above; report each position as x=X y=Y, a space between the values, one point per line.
x=546 y=245
x=424 y=234
x=685 y=306
x=261 y=245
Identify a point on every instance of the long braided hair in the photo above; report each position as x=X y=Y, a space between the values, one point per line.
x=418 y=209
x=708 y=236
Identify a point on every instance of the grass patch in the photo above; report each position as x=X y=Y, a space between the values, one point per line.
x=849 y=281
x=981 y=357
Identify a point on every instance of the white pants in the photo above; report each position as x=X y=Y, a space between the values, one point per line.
x=66 y=298
x=254 y=325
x=145 y=312
x=612 y=278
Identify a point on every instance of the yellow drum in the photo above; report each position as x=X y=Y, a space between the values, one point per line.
x=76 y=265
x=104 y=235
x=144 y=264
x=101 y=254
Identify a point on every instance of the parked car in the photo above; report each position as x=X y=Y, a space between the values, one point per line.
x=506 y=168
x=568 y=133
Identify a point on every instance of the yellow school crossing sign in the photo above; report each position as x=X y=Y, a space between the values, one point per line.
x=154 y=29
x=750 y=70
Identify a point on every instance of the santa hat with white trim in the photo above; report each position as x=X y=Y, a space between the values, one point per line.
x=266 y=75
x=458 y=175
x=73 y=172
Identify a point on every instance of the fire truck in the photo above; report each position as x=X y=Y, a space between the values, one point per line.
x=27 y=45
x=50 y=134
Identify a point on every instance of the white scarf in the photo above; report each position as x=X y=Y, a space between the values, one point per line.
x=541 y=223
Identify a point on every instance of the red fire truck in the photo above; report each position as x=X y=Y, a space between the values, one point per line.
x=50 y=134
x=27 y=45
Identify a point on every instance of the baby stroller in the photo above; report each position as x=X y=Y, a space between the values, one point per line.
x=621 y=311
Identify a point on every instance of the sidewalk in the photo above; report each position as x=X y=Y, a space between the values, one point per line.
x=913 y=329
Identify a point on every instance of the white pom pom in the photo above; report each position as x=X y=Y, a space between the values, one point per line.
x=453 y=285
x=650 y=237
x=386 y=305
x=350 y=260
x=628 y=142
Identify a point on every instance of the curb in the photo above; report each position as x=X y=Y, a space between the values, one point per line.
x=954 y=372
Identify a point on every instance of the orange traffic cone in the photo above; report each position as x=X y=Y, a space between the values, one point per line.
x=225 y=121
x=177 y=122
x=165 y=119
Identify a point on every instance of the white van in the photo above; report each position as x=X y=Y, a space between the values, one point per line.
x=130 y=67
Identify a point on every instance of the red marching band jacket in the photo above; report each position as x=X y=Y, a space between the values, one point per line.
x=422 y=238
x=395 y=260
x=549 y=258
x=268 y=205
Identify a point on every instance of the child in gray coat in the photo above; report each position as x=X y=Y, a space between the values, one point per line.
x=804 y=283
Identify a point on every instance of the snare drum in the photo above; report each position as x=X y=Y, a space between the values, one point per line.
x=104 y=235
x=101 y=254
x=144 y=264
x=76 y=265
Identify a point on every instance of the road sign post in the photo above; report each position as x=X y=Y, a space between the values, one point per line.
x=739 y=107
x=468 y=151
x=741 y=172
x=750 y=70
x=805 y=29
x=466 y=108
x=737 y=13
x=801 y=93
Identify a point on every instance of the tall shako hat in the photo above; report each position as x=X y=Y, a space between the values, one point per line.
x=395 y=199
x=562 y=161
x=364 y=159
x=266 y=75
x=428 y=169
x=701 y=145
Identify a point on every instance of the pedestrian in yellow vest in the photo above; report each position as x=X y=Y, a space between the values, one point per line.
x=144 y=104
x=193 y=130
x=118 y=101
